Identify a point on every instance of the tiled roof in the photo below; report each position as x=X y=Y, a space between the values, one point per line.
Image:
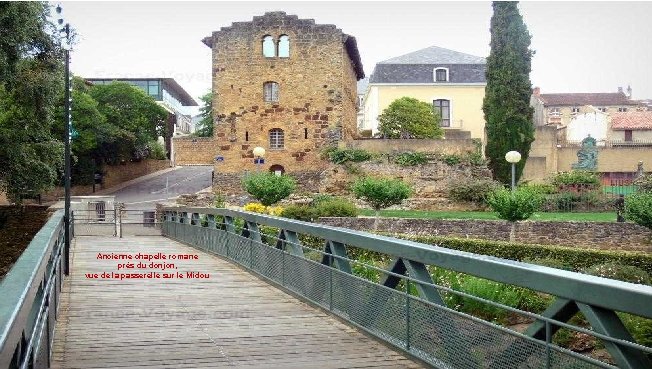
x=435 y=55
x=581 y=99
x=632 y=120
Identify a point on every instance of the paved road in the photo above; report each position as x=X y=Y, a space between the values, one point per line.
x=144 y=195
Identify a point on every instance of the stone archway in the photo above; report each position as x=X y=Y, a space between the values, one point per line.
x=277 y=169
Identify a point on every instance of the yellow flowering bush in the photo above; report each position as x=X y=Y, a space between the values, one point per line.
x=256 y=207
x=275 y=210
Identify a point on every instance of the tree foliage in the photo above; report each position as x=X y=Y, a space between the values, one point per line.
x=381 y=193
x=268 y=188
x=515 y=205
x=638 y=208
x=408 y=117
x=205 y=125
x=30 y=78
x=506 y=106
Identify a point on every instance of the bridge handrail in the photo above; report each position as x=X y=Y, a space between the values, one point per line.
x=26 y=295
x=603 y=292
x=597 y=299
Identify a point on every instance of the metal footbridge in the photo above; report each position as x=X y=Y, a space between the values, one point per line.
x=212 y=288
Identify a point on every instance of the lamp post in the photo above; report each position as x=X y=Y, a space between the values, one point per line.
x=64 y=32
x=259 y=155
x=513 y=157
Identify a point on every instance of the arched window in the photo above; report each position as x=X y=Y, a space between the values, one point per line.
x=284 y=46
x=440 y=75
x=270 y=91
x=276 y=138
x=269 y=51
x=443 y=109
x=277 y=169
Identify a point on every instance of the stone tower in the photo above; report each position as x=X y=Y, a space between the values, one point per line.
x=287 y=85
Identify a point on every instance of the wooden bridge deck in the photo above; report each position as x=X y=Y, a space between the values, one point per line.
x=231 y=319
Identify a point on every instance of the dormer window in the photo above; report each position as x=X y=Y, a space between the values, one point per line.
x=575 y=110
x=440 y=74
x=284 y=46
x=269 y=49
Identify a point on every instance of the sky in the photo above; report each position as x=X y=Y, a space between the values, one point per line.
x=580 y=46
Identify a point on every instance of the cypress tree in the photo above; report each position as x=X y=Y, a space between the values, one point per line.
x=506 y=105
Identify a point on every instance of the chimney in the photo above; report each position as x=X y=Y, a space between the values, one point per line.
x=629 y=91
x=536 y=91
x=620 y=90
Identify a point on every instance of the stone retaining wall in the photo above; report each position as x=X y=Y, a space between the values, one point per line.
x=596 y=235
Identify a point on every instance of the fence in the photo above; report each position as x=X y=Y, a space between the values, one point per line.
x=117 y=223
x=404 y=307
x=30 y=299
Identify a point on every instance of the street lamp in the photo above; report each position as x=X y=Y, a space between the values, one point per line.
x=64 y=32
x=259 y=154
x=513 y=157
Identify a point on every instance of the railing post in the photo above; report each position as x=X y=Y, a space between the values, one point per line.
x=407 y=314
x=548 y=341
x=115 y=223
x=120 y=222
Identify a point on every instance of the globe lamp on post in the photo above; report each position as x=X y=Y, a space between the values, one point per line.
x=513 y=157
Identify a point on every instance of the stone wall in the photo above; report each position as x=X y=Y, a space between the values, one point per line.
x=194 y=150
x=316 y=100
x=113 y=175
x=231 y=183
x=448 y=146
x=612 y=236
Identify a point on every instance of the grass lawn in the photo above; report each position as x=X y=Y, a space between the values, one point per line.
x=580 y=217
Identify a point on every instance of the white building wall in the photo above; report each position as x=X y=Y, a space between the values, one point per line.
x=594 y=124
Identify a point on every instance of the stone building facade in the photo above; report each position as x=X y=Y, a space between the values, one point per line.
x=282 y=83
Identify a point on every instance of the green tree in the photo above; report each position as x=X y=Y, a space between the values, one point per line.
x=381 y=193
x=30 y=80
x=409 y=118
x=506 y=106
x=205 y=125
x=268 y=188
x=129 y=109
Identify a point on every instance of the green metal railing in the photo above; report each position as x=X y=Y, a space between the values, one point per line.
x=405 y=308
x=29 y=299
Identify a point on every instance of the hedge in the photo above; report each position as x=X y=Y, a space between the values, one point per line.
x=577 y=258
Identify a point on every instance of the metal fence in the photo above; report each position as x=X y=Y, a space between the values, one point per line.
x=117 y=223
x=29 y=299
x=405 y=307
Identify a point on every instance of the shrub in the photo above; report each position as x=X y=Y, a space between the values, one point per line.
x=410 y=159
x=336 y=207
x=275 y=210
x=268 y=188
x=325 y=207
x=472 y=190
x=156 y=151
x=549 y=262
x=302 y=212
x=644 y=183
x=577 y=178
x=408 y=117
x=515 y=205
x=341 y=156
x=578 y=259
x=451 y=159
x=614 y=270
x=255 y=207
x=540 y=188
x=366 y=133
x=381 y=192
x=638 y=208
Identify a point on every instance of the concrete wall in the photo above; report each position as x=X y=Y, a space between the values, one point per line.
x=610 y=159
x=595 y=235
x=466 y=103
